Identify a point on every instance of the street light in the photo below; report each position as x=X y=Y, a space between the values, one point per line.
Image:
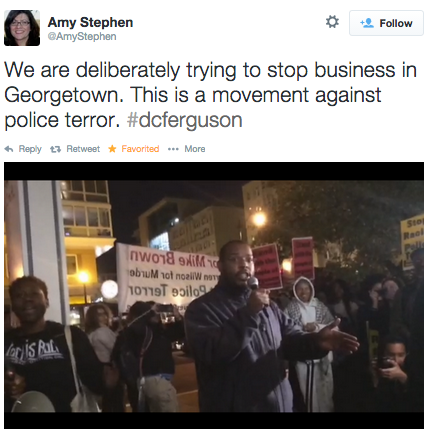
x=84 y=278
x=260 y=219
x=257 y=219
x=287 y=265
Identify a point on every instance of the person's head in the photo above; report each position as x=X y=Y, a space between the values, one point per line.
x=390 y=287
x=29 y=299
x=395 y=349
x=21 y=28
x=155 y=318
x=236 y=263
x=372 y=284
x=304 y=290
x=340 y=290
x=417 y=258
x=136 y=310
x=98 y=315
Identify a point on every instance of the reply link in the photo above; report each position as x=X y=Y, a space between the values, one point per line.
x=81 y=36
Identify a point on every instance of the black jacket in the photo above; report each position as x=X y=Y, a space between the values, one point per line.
x=157 y=358
x=43 y=360
x=415 y=359
x=240 y=357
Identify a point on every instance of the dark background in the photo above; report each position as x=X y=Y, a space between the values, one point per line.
x=129 y=199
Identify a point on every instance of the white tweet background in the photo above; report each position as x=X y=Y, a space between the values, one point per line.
x=230 y=32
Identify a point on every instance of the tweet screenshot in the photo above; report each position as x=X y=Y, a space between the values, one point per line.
x=179 y=81
x=254 y=239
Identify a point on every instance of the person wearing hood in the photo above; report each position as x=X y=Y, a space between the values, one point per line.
x=315 y=377
x=240 y=341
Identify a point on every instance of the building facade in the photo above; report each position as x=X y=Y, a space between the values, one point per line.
x=207 y=231
x=156 y=222
x=88 y=234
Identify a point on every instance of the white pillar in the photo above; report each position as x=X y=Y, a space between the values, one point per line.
x=35 y=239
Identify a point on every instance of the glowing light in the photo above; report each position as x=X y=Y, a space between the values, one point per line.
x=109 y=289
x=83 y=277
x=260 y=219
x=287 y=265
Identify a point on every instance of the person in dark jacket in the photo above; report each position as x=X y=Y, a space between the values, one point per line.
x=240 y=339
x=391 y=379
x=144 y=350
x=403 y=304
x=37 y=353
x=415 y=360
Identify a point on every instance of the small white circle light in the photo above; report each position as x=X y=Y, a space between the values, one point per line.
x=109 y=289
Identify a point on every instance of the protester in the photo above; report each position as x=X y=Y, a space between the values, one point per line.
x=372 y=324
x=341 y=305
x=239 y=340
x=390 y=288
x=374 y=314
x=403 y=305
x=281 y=298
x=315 y=377
x=143 y=350
x=391 y=378
x=415 y=361
x=98 y=320
x=38 y=354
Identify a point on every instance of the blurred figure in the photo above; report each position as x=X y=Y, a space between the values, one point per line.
x=98 y=321
x=38 y=352
x=373 y=320
x=374 y=315
x=341 y=305
x=390 y=288
x=143 y=353
x=415 y=361
x=281 y=298
x=391 y=387
x=403 y=304
x=315 y=377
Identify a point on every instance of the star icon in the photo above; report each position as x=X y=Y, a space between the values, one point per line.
x=112 y=148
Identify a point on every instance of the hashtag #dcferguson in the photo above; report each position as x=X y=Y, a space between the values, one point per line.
x=81 y=36
x=191 y=123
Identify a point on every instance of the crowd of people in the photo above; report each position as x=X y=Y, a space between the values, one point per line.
x=315 y=348
x=138 y=358
x=381 y=312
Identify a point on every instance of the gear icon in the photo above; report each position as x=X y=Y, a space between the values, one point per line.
x=332 y=21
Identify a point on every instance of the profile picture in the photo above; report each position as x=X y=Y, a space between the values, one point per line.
x=21 y=28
